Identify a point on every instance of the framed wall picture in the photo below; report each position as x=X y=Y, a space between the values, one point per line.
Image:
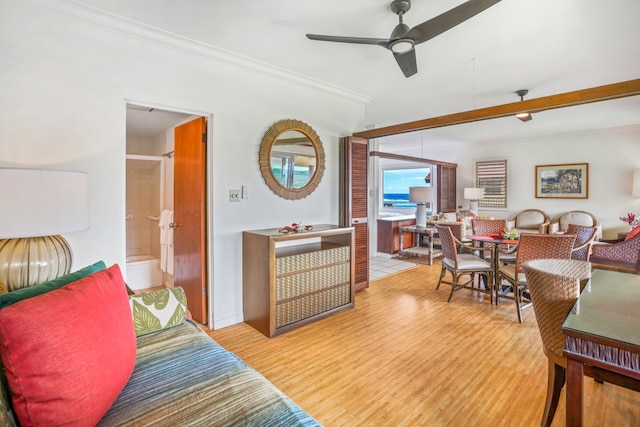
x=568 y=181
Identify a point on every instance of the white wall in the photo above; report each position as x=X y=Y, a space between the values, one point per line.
x=66 y=76
x=612 y=155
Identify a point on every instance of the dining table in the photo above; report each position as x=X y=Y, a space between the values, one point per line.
x=602 y=331
x=494 y=241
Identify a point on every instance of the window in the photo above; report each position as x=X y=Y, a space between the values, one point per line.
x=492 y=176
x=396 y=183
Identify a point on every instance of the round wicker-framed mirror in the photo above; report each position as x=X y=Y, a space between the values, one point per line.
x=291 y=159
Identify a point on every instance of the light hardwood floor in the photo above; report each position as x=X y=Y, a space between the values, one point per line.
x=405 y=357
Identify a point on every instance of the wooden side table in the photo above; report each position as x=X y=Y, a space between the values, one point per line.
x=419 y=250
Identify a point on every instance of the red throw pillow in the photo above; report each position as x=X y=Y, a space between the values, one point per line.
x=69 y=353
x=632 y=233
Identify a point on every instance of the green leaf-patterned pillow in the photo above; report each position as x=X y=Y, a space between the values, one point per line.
x=161 y=309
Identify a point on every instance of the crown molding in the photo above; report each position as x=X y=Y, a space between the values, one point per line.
x=147 y=33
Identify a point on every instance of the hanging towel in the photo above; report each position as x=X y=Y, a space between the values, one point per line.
x=166 y=241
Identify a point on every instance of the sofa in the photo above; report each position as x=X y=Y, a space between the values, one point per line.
x=618 y=256
x=82 y=351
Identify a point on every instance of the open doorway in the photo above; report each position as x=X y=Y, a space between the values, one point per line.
x=154 y=213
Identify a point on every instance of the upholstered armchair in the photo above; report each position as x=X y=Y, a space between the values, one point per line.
x=560 y=224
x=530 y=221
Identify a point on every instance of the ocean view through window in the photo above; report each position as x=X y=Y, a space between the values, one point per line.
x=396 y=183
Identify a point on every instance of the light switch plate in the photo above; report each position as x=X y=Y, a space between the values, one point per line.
x=234 y=195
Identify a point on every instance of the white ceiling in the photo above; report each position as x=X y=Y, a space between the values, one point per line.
x=546 y=46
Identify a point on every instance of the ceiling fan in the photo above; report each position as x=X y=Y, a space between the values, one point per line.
x=403 y=39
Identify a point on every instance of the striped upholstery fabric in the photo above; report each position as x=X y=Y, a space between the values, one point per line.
x=183 y=377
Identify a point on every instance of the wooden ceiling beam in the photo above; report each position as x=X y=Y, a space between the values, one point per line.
x=536 y=105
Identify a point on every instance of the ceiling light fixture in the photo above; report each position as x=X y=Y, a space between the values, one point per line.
x=402 y=45
x=525 y=116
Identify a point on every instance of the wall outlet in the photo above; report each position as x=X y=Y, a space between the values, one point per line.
x=245 y=192
x=234 y=195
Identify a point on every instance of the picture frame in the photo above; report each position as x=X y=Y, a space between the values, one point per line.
x=563 y=181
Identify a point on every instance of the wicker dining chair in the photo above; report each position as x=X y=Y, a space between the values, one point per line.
x=531 y=246
x=585 y=236
x=483 y=227
x=554 y=285
x=462 y=264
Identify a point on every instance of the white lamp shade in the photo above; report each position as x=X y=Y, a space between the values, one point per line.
x=39 y=202
x=474 y=193
x=420 y=194
x=635 y=188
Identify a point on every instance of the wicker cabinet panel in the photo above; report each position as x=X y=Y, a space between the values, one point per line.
x=310 y=305
x=293 y=263
x=306 y=277
x=289 y=264
x=294 y=285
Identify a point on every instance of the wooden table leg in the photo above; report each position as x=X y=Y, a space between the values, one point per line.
x=575 y=391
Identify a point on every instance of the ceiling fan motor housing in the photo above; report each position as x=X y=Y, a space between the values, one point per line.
x=400 y=6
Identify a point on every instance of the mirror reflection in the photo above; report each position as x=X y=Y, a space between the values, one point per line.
x=293 y=159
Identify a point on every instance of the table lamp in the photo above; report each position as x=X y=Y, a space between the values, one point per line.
x=421 y=195
x=38 y=206
x=473 y=195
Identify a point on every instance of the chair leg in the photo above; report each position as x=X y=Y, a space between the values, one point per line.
x=454 y=284
x=517 y=295
x=442 y=273
x=555 y=382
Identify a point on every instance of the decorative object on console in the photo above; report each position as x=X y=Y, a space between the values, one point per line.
x=421 y=196
x=524 y=116
x=296 y=228
x=41 y=205
x=567 y=181
x=473 y=195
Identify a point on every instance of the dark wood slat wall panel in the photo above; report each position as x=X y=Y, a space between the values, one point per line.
x=362 y=256
x=446 y=183
x=354 y=209
x=359 y=178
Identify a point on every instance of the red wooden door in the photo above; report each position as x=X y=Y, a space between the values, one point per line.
x=190 y=215
x=354 y=208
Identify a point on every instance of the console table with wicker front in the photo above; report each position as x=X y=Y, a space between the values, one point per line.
x=291 y=279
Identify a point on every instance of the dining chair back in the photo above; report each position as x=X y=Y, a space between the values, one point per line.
x=482 y=227
x=461 y=264
x=532 y=246
x=585 y=236
x=554 y=285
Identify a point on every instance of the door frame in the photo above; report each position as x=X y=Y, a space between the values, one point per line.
x=208 y=185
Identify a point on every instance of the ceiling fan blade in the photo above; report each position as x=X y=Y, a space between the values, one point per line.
x=357 y=40
x=443 y=22
x=407 y=62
